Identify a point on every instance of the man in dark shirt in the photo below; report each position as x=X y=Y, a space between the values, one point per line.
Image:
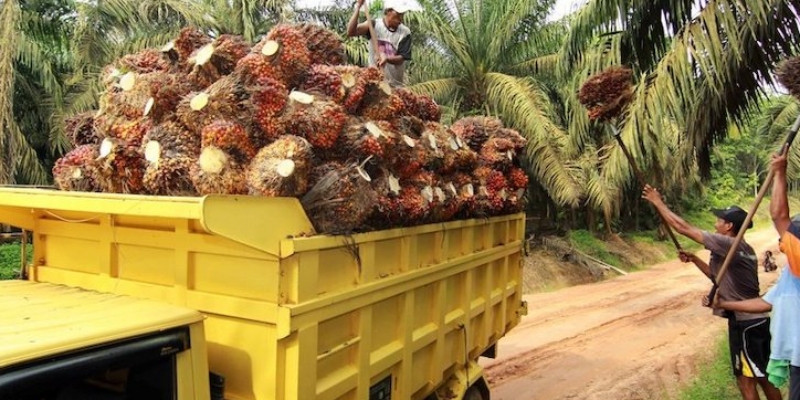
x=748 y=333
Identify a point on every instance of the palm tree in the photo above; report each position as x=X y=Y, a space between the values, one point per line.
x=499 y=57
x=699 y=65
x=32 y=63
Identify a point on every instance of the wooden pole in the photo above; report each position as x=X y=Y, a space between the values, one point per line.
x=713 y=294
x=642 y=182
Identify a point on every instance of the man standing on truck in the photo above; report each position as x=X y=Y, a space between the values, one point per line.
x=393 y=39
x=748 y=333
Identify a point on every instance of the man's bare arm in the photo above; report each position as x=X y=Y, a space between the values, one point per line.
x=353 y=27
x=673 y=220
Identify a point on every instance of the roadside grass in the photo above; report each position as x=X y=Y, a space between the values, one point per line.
x=10 y=259
x=713 y=380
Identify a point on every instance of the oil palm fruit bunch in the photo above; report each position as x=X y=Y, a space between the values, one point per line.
x=333 y=82
x=364 y=79
x=188 y=41
x=216 y=59
x=281 y=168
x=130 y=131
x=419 y=105
x=170 y=150
x=269 y=101
x=341 y=199
x=76 y=170
x=464 y=185
x=316 y=118
x=120 y=167
x=381 y=103
x=788 y=75
x=285 y=50
x=498 y=153
x=512 y=135
x=217 y=172
x=230 y=137
x=324 y=45
x=606 y=94
x=225 y=99
x=408 y=155
x=145 y=61
x=475 y=131
x=452 y=203
x=80 y=130
x=367 y=139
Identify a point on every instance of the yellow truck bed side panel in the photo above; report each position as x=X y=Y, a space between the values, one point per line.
x=291 y=315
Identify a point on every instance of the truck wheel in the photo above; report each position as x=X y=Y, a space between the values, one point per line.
x=473 y=393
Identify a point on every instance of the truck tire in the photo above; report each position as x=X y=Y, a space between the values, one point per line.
x=474 y=393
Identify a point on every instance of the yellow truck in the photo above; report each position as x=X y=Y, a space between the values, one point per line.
x=236 y=297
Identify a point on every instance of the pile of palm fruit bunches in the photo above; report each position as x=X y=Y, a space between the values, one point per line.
x=287 y=117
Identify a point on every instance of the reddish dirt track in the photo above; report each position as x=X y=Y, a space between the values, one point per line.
x=637 y=336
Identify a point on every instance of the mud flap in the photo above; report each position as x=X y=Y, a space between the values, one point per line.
x=456 y=386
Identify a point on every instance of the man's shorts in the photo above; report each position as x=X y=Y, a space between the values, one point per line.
x=749 y=346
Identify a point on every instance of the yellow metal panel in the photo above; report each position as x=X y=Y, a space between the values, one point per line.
x=145 y=264
x=260 y=222
x=41 y=319
x=242 y=277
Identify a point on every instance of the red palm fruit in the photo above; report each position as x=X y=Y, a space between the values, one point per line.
x=230 y=137
x=606 y=94
x=513 y=135
x=319 y=120
x=498 y=153
x=225 y=99
x=517 y=178
x=285 y=47
x=145 y=61
x=120 y=167
x=281 y=169
x=370 y=138
x=76 y=170
x=475 y=131
x=228 y=50
x=341 y=199
x=170 y=176
x=364 y=78
x=324 y=45
x=80 y=129
x=269 y=101
x=327 y=81
x=130 y=132
x=427 y=109
x=257 y=69
x=216 y=172
x=188 y=41
x=170 y=139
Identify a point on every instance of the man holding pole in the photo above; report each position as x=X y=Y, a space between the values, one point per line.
x=390 y=40
x=748 y=333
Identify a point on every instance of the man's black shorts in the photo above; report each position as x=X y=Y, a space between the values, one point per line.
x=749 y=346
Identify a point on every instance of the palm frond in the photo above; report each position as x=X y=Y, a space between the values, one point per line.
x=521 y=106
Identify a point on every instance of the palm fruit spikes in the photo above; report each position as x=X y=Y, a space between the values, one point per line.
x=120 y=167
x=170 y=139
x=420 y=106
x=285 y=48
x=225 y=99
x=80 y=129
x=281 y=168
x=170 y=176
x=606 y=94
x=475 y=131
x=216 y=59
x=341 y=199
x=788 y=75
x=76 y=170
x=269 y=100
x=319 y=120
x=324 y=45
x=328 y=81
x=368 y=139
x=217 y=172
x=498 y=153
x=229 y=137
x=145 y=61
x=188 y=41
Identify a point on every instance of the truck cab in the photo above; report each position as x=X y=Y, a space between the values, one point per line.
x=65 y=343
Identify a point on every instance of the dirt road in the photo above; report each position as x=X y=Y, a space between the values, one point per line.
x=632 y=337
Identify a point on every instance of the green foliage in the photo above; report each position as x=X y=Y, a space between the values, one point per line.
x=10 y=260
x=588 y=243
x=714 y=380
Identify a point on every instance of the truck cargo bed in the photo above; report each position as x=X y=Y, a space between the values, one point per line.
x=291 y=314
